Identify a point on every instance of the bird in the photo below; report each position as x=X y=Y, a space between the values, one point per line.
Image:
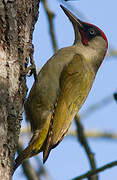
x=62 y=87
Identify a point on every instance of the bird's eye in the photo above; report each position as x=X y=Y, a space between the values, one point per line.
x=92 y=31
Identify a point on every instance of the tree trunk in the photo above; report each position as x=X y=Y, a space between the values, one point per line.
x=17 y=20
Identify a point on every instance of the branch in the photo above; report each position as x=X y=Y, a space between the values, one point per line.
x=84 y=143
x=89 y=133
x=92 y=172
x=112 y=53
x=97 y=106
x=50 y=16
x=95 y=134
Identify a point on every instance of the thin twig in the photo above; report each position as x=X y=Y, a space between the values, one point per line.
x=89 y=133
x=43 y=171
x=84 y=143
x=96 y=171
x=99 y=105
x=95 y=134
x=50 y=16
x=112 y=53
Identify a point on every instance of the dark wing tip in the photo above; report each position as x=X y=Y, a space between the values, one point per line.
x=61 y=5
x=63 y=8
x=25 y=154
x=17 y=163
x=46 y=154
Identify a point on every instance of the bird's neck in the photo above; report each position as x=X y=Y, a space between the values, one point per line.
x=93 y=54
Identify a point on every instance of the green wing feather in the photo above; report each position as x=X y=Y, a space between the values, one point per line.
x=75 y=83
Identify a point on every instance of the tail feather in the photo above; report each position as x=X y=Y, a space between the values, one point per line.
x=30 y=151
x=22 y=157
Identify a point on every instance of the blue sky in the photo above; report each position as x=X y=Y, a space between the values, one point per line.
x=68 y=160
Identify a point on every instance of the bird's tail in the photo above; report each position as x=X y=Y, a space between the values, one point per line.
x=27 y=153
x=32 y=149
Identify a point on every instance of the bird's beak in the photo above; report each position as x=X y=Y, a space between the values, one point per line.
x=72 y=17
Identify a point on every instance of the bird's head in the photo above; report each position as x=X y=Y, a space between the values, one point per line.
x=90 y=39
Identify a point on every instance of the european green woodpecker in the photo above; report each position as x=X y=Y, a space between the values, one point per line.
x=62 y=87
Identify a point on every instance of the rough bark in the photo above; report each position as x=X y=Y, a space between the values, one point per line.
x=17 y=20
